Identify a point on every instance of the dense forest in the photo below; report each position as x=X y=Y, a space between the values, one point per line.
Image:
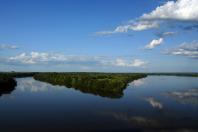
x=103 y=84
x=17 y=74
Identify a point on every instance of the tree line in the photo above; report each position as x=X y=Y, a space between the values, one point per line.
x=102 y=84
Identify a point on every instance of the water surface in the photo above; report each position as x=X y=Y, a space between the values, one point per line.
x=152 y=103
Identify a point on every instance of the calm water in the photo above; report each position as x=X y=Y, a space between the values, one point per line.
x=153 y=103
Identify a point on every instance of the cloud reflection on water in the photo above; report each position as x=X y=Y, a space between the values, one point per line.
x=154 y=103
x=159 y=124
x=133 y=120
x=137 y=83
x=29 y=84
x=189 y=96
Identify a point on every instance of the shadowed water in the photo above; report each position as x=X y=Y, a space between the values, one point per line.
x=166 y=103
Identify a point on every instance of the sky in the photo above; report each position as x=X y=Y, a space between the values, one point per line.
x=99 y=35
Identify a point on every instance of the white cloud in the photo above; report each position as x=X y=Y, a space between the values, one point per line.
x=135 y=26
x=46 y=58
x=157 y=42
x=42 y=57
x=125 y=63
x=185 y=49
x=144 y=25
x=32 y=58
x=6 y=46
x=182 y=10
x=154 y=43
x=137 y=63
x=23 y=58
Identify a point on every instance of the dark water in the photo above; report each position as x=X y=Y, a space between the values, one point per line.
x=155 y=103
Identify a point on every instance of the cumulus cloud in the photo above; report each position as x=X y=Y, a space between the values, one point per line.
x=185 y=49
x=181 y=10
x=6 y=46
x=154 y=43
x=35 y=57
x=46 y=58
x=42 y=57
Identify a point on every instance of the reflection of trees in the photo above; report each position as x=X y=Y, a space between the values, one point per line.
x=102 y=84
x=7 y=85
x=7 y=81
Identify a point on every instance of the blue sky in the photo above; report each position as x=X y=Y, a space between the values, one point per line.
x=99 y=35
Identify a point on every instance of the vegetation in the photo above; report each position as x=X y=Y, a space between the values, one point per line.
x=7 y=84
x=17 y=74
x=175 y=74
x=103 y=84
x=7 y=81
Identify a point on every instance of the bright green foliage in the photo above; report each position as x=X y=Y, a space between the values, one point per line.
x=102 y=84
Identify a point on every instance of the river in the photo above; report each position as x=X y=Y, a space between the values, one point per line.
x=166 y=103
